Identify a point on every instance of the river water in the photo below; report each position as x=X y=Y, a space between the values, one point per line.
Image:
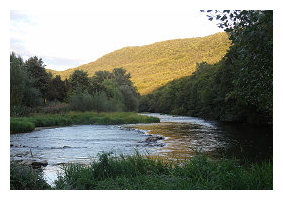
x=182 y=138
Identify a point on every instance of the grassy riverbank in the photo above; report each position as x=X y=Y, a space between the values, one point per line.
x=144 y=173
x=27 y=124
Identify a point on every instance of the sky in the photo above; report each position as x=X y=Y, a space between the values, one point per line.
x=68 y=38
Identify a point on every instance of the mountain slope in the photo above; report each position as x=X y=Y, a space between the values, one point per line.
x=154 y=65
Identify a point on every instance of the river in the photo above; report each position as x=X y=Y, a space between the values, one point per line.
x=181 y=136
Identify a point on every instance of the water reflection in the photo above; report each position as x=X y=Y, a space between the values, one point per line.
x=183 y=136
x=186 y=135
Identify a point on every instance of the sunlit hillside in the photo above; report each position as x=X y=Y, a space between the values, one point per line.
x=154 y=65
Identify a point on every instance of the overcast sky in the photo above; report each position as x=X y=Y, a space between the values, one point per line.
x=67 y=39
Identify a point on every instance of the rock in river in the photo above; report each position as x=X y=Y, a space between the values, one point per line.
x=153 y=139
x=35 y=163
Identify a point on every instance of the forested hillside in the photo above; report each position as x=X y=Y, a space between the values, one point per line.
x=204 y=77
x=239 y=87
x=154 y=65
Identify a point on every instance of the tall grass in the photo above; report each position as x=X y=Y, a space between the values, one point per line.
x=139 y=173
x=27 y=124
x=21 y=126
x=145 y=173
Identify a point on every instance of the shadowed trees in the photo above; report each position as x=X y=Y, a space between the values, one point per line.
x=32 y=86
x=239 y=87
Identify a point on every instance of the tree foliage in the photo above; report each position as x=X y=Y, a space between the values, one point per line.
x=105 y=91
x=57 y=89
x=23 y=92
x=251 y=32
x=37 y=72
x=79 y=81
x=239 y=87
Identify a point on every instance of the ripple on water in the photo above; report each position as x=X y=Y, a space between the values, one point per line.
x=182 y=137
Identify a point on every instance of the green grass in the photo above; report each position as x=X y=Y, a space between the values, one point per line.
x=27 y=124
x=145 y=173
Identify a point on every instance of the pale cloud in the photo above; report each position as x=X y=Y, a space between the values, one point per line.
x=65 y=39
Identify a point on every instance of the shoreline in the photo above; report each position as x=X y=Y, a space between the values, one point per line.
x=39 y=122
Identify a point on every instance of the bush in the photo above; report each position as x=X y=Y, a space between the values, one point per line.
x=82 y=102
x=19 y=111
x=25 y=178
x=55 y=108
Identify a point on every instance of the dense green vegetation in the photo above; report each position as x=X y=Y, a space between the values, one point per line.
x=23 y=93
x=38 y=100
x=139 y=173
x=105 y=91
x=25 y=178
x=31 y=86
x=34 y=90
x=27 y=124
x=154 y=65
x=238 y=88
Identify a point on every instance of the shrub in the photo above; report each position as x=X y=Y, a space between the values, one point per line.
x=82 y=102
x=25 y=178
x=20 y=111
x=55 y=108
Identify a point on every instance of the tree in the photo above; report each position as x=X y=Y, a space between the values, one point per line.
x=18 y=80
x=251 y=32
x=36 y=71
x=130 y=97
x=57 y=89
x=100 y=76
x=22 y=92
x=120 y=77
x=97 y=80
x=79 y=81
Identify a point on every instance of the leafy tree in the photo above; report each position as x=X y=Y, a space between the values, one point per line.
x=18 y=79
x=57 y=89
x=112 y=89
x=97 y=80
x=126 y=86
x=100 y=76
x=120 y=77
x=251 y=32
x=130 y=97
x=79 y=81
x=36 y=71
x=22 y=90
